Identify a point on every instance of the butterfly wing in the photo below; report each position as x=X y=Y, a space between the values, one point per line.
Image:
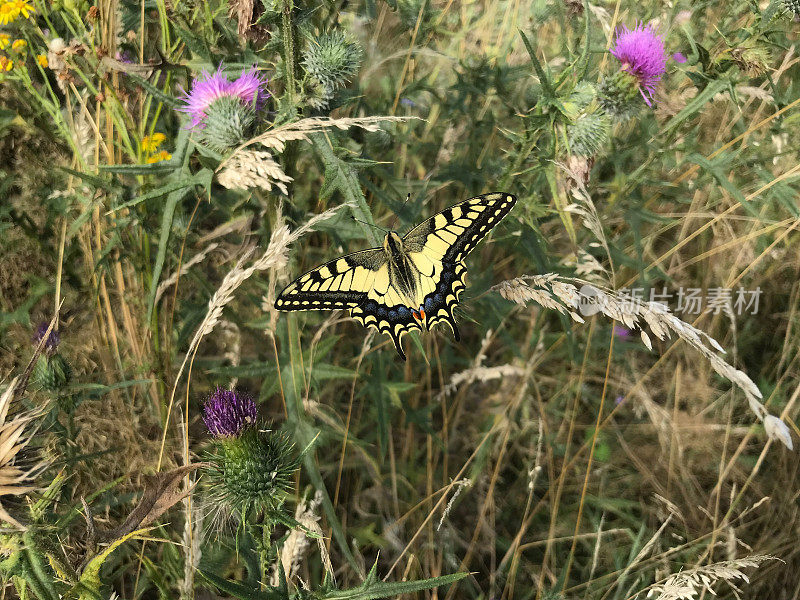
x=450 y=235
x=438 y=246
x=341 y=283
x=396 y=320
x=362 y=281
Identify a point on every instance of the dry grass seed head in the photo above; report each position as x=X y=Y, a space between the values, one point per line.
x=17 y=475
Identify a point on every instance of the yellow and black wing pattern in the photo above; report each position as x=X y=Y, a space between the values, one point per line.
x=409 y=283
x=341 y=283
x=439 y=245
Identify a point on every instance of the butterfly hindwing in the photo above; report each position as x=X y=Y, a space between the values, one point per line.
x=439 y=304
x=394 y=320
x=341 y=283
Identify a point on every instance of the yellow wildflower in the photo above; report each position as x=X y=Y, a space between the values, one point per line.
x=19 y=45
x=150 y=143
x=42 y=60
x=5 y=40
x=163 y=155
x=6 y=64
x=11 y=10
x=7 y=14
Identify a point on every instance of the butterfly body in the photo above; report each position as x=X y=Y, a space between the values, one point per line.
x=411 y=282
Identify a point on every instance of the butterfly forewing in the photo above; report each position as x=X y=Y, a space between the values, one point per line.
x=452 y=234
x=341 y=283
x=440 y=244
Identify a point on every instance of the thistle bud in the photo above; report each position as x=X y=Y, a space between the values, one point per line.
x=619 y=96
x=51 y=372
x=252 y=467
x=228 y=123
x=331 y=61
x=590 y=126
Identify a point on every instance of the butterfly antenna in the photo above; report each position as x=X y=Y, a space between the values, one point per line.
x=406 y=201
x=372 y=225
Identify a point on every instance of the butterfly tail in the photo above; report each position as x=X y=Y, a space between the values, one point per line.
x=398 y=345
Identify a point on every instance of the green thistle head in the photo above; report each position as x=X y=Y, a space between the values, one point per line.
x=253 y=471
x=589 y=127
x=52 y=373
x=228 y=123
x=251 y=468
x=332 y=60
x=619 y=95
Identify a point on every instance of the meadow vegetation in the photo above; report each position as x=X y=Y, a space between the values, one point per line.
x=168 y=166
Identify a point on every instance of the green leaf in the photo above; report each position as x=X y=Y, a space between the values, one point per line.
x=242 y=591
x=156 y=93
x=342 y=176
x=715 y=169
x=711 y=90
x=323 y=372
x=180 y=154
x=547 y=86
x=161 y=257
x=373 y=588
x=164 y=189
x=164 y=166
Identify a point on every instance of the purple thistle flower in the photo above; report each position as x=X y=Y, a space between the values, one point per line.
x=249 y=87
x=227 y=413
x=52 y=340
x=642 y=54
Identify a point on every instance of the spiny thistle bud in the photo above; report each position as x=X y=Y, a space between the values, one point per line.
x=619 y=96
x=589 y=126
x=252 y=468
x=332 y=60
x=589 y=132
x=224 y=112
x=228 y=123
x=51 y=372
